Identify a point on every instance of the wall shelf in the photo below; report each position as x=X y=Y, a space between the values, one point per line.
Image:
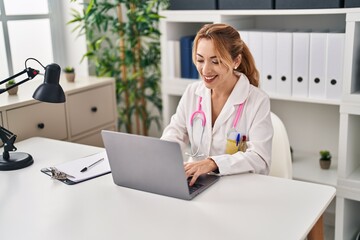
x=312 y=124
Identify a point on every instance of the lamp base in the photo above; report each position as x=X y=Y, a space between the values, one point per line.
x=17 y=160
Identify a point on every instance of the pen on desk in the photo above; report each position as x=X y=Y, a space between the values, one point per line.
x=91 y=165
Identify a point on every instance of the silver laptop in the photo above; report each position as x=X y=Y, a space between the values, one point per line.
x=151 y=165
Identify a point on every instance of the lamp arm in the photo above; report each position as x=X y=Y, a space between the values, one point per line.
x=14 y=76
x=49 y=91
x=30 y=72
x=7 y=137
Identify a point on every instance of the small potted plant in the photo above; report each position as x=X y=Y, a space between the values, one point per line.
x=325 y=159
x=69 y=74
x=12 y=91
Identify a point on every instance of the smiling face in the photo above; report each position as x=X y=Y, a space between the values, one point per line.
x=213 y=72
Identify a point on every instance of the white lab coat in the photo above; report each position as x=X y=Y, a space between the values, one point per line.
x=255 y=123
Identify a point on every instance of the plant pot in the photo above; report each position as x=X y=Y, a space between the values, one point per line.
x=12 y=91
x=325 y=164
x=70 y=77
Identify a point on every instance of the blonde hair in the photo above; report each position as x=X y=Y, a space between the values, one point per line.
x=228 y=46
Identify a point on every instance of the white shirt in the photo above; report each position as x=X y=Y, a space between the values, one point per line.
x=255 y=123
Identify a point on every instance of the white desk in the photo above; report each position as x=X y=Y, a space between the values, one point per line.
x=246 y=206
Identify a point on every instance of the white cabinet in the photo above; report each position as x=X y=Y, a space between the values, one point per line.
x=313 y=124
x=90 y=107
x=38 y=119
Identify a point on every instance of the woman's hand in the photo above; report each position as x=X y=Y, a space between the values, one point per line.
x=195 y=169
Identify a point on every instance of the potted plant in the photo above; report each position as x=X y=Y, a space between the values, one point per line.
x=325 y=159
x=123 y=39
x=14 y=90
x=69 y=74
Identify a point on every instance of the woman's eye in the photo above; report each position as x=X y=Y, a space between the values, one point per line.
x=200 y=60
x=215 y=62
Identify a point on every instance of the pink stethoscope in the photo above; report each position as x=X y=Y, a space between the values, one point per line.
x=200 y=112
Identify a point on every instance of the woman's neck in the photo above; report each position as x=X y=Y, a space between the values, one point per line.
x=224 y=90
x=219 y=97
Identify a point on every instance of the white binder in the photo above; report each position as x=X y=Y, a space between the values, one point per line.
x=317 y=67
x=171 y=58
x=255 y=46
x=300 y=69
x=173 y=55
x=268 y=71
x=244 y=35
x=283 y=63
x=334 y=67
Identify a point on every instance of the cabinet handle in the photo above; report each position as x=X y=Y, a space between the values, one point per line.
x=300 y=79
x=283 y=78
x=317 y=80
x=94 y=109
x=269 y=77
x=41 y=125
x=333 y=82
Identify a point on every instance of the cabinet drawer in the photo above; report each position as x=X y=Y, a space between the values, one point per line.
x=94 y=139
x=40 y=119
x=91 y=109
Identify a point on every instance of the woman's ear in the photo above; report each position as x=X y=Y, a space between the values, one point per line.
x=237 y=61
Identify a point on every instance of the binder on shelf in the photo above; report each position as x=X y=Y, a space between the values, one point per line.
x=300 y=67
x=334 y=66
x=176 y=58
x=308 y=4
x=317 y=65
x=351 y=3
x=244 y=35
x=245 y=4
x=268 y=72
x=283 y=63
x=193 y=70
x=255 y=46
x=192 y=5
x=187 y=67
x=173 y=58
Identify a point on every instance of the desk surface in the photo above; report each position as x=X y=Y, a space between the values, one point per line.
x=245 y=206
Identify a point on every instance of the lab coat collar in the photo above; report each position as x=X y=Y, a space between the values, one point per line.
x=240 y=92
x=237 y=96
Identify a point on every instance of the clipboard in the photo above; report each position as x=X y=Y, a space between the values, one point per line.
x=71 y=173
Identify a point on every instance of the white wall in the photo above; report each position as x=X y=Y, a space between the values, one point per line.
x=74 y=45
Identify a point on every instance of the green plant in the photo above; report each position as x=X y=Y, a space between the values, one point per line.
x=69 y=69
x=11 y=82
x=325 y=155
x=128 y=50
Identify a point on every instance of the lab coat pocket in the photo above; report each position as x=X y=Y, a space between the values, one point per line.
x=231 y=147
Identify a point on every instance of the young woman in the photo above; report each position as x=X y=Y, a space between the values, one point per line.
x=225 y=117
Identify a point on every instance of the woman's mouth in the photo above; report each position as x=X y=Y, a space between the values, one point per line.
x=209 y=79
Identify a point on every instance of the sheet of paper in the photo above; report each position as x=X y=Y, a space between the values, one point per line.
x=74 y=167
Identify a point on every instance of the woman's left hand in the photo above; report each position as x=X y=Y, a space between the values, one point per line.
x=197 y=168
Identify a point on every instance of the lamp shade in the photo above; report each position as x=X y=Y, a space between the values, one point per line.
x=50 y=90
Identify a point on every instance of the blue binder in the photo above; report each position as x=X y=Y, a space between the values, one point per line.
x=188 y=69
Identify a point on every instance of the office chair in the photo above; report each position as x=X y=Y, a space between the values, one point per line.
x=281 y=164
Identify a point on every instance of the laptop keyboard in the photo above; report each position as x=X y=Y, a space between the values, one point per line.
x=194 y=187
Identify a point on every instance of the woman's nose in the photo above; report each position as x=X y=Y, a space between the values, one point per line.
x=206 y=68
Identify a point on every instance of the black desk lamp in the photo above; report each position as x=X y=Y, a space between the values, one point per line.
x=49 y=91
